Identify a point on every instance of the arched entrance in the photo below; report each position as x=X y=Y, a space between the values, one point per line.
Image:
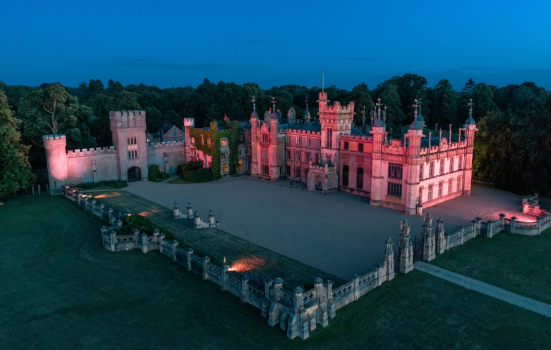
x=134 y=174
x=317 y=183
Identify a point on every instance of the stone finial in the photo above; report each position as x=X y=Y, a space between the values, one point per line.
x=428 y=219
x=404 y=228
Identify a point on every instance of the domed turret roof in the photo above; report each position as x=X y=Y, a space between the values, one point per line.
x=470 y=121
x=254 y=114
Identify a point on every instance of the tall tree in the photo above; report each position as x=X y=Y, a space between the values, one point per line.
x=444 y=108
x=15 y=169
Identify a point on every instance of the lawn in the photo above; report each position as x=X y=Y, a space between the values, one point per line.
x=519 y=264
x=62 y=290
x=217 y=243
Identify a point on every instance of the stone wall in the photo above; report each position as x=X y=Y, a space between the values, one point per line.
x=92 y=165
x=173 y=151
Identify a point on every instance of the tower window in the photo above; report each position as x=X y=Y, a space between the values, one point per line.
x=394 y=186
x=430 y=193
x=346 y=145
x=451 y=164
x=450 y=184
x=421 y=170
x=345 y=175
x=360 y=178
x=360 y=147
x=431 y=170
x=441 y=166
x=440 y=189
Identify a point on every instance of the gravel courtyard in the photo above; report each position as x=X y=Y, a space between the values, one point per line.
x=337 y=233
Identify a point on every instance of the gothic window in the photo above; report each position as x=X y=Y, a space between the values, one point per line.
x=297 y=140
x=394 y=186
x=450 y=184
x=240 y=165
x=297 y=156
x=329 y=141
x=459 y=183
x=346 y=145
x=431 y=170
x=421 y=169
x=265 y=169
x=264 y=137
x=440 y=189
x=223 y=142
x=460 y=164
x=451 y=164
x=360 y=178
x=360 y=147
x=308 y=142
x=441 y=166
x=430 y=193
x=345 y=175
x=225 y=168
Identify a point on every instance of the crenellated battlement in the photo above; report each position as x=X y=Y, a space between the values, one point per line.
x=350 y=137
x=56 y=137
x=165 y=145
x=337 y=108
x=189 y=122
x=90 y=152
x=303 y=132
x=127 y=119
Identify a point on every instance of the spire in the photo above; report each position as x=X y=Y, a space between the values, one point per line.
x=470 y=120
x=418 y=120
x=274 y=110
x=307 y=112
x=379 y=122
x=254 y=114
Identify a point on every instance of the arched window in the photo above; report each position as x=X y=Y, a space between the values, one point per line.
x=345 y=175
x=360 y=178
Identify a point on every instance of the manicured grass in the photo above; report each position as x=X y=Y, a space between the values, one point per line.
x=217 y=243
x=516 y=263
x=62 y=290
x=179 y=181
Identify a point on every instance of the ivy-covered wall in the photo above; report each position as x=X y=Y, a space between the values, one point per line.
x=202 y=138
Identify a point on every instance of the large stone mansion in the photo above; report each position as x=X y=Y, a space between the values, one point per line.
x=327 y=154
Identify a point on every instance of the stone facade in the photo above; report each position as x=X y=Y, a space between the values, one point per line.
x=406 y=174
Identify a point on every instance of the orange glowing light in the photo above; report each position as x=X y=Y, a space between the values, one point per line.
x=247 y=264
x=108 y=195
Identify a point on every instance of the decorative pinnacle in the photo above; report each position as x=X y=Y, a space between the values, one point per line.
x=471 y=104
x=306 y=100
x=378 y=104
x=420 y=105
x=254 y=103
x=415 y=105
x=274 y=103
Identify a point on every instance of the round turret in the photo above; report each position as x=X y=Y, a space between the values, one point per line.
x=56 y=158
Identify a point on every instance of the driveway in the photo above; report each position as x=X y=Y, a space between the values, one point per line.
x=338 y=233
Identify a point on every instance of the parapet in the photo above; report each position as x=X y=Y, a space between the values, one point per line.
x=165 y=145
x=302 y=131
x=350 y=137
x=189 y=122
x=127 y=119
x=337 y=108
x=90 y=152
x=54 y=141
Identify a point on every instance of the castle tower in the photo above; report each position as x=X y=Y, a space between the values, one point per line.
x=335 y=121
x=128 y=129
x=413 y=159
x=188 y=123
x=470 y=129
x=378 y=187
x=254 y=141
x=307 y=117
x=272 y=150
x=56 y=158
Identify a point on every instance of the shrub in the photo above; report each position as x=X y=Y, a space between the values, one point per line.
x=154 y=172
x=139 y=222
x=200 y=175
x=164 y=176
x=113 y=184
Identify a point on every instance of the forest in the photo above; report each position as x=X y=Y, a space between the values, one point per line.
x=512 y=145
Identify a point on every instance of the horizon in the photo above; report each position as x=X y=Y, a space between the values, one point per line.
x=275 y=45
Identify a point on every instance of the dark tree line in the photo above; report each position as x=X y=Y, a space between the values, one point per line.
x=513 y=145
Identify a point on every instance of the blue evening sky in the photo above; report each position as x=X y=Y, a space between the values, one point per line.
x=178 y=43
